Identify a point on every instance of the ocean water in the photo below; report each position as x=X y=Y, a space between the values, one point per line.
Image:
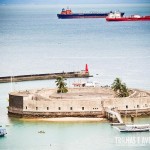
x=33 y=40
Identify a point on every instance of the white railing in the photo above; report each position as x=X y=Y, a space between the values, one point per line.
x=115 y=114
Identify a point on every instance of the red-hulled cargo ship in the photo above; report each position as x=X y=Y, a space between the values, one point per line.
x=118 y=17
x=68 y=14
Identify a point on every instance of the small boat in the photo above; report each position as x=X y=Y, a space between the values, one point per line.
x=134 y=128
x=2 y=132
x=128 y=129
x=68 y=14
x=117 y=17
x=41 y=132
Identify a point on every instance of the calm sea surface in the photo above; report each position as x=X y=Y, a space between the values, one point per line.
x=33 y=40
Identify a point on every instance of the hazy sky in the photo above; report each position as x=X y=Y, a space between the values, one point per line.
x=69 y=1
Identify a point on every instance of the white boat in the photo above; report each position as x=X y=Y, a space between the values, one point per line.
x=129 y=129
x=134 y=128
x=2 y=132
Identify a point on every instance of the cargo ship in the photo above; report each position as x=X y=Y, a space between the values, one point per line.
x=117 y=17
x=68 y=14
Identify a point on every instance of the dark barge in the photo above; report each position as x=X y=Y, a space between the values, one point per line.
x=68 y=14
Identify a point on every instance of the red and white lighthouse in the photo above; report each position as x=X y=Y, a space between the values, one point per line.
x=86 y=68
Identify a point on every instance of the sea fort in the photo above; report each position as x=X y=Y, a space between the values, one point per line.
x=92 y=102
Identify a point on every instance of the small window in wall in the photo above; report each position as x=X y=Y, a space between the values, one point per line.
x=138 y=106
x=26 y=107
x=47 y=108
x=127 y=106
x=71 y=108
x=82 y=108
x=59 y=108
x=36 y=108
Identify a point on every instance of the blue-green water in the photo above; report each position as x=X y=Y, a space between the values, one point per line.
x=33 y=40
x=65 y=136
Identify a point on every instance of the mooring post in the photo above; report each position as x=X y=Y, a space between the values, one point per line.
x=109 y=116
x=136 y=112
x=132 y=119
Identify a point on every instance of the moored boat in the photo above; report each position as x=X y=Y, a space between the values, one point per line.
x=134 y=128
x=68 y=14
x=2 y=132
x=117 y=17
x=127 y=129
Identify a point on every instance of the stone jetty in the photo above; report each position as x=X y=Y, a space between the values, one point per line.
x=20 y=78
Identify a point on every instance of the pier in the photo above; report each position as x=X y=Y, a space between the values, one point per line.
x=75 y=74
x=46 y=76
x=110 y=114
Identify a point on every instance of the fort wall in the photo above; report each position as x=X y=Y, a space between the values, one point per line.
x=34 y=105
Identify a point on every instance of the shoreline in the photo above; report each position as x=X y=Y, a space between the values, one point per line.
x=65 y=119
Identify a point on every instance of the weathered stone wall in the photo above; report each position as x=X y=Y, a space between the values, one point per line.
x=60 y=105
x=135 y=112
x=54 y=108
x=128 y=103
x=88 y=114
x=16 y=102
x=32 y=106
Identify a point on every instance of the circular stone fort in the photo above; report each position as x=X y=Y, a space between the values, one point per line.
x=78 y=102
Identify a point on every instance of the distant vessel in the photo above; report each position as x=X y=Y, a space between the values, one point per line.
x=68 y=14
x=118 y=17
x=2 y=132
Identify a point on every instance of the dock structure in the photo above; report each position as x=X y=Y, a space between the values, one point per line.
x=112 y=114
x=19 y=78
x=46 y=76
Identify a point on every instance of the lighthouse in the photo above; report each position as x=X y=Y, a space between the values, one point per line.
x=86 y=68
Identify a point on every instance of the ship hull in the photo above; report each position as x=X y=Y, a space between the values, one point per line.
x=145 y=18
x=78 y=16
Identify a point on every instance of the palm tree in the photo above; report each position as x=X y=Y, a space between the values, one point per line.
x=123 y=91
x=116 y=86
x=120 y=88
x=61 y=85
